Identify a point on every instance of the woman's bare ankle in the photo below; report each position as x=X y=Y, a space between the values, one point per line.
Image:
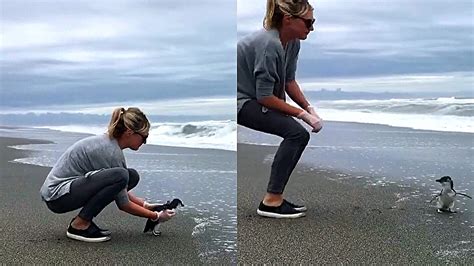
x=272 y=199
x=80 y=224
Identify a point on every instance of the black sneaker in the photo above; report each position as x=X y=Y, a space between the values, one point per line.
x=91 y=234
x=297 y=207
x=282 y=211
x=104 y=232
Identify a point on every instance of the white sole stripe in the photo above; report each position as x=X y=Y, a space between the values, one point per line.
x=302 y=209
x=85 y=239
x=276 y=215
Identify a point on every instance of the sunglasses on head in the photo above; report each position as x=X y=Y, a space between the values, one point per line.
x=307 y=21
x=143 y=137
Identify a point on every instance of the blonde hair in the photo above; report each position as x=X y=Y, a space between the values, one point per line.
x=277 y=9
x=132 y=119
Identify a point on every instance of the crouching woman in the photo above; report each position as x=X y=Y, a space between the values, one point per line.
x=93 y=172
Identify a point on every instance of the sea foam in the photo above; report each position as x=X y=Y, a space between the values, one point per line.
x=211 y=134
x=438 y=114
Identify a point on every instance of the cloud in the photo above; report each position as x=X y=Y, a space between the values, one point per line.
x=60 y=49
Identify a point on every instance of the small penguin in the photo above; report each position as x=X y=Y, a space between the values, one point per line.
x=154 y=227
x=446 y=197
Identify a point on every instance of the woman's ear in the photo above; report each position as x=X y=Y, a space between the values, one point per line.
x=286 y=20
x=129 y=132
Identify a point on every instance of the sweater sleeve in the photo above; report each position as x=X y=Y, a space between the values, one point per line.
x=266 y=73
x=292 y=62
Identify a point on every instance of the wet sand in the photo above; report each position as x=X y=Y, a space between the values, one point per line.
x=346 y=222
x=30 y=233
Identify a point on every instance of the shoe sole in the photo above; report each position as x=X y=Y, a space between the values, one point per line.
x=278 y=216
x=89 y=240
x=302 y=209
x=105 y=233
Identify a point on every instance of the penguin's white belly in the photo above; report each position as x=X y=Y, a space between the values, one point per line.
x=446 y=201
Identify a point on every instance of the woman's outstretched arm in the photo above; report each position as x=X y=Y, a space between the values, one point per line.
x=136 y=199
x=137 y=210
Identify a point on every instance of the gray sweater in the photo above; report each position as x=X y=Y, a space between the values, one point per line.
x=264 y=66
x=81 y=160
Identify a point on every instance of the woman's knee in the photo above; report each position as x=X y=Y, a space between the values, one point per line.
x=305 y=137
x=300 y=134
x=133 y=178
x=56 y=208
x=120 y=175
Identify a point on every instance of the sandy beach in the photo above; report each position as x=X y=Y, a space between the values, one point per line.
x=346 y=221
x=30 y=233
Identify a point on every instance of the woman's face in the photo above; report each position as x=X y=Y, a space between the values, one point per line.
x=135 y=139
x=301 y=26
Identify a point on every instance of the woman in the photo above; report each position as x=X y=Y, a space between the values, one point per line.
x=92 y=173
x=266 y=66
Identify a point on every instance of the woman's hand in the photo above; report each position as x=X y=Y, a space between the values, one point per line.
x=164 y=215
x=312 y=111
x=313 y=121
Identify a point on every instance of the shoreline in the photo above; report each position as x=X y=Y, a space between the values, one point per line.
x=346 y=222
x=33 y=234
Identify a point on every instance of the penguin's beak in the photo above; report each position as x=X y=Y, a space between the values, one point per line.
x=438 y=180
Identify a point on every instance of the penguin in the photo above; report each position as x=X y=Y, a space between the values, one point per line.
x=446 y=197
x=154 y=227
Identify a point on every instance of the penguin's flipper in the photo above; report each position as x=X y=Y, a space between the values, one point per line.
x=435 y=197
x=465 y=195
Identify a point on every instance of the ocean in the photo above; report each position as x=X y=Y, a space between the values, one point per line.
x=399 y=142
x=187 y=158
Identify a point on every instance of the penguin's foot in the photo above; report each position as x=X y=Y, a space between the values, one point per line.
x=156 y=230
x=446 y=211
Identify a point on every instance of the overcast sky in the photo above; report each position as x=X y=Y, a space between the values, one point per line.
x=80 y=52
x=89 y=52
x=375 y=45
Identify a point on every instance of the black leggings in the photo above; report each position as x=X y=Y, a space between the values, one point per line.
x=95 y=192
x=295 y=138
